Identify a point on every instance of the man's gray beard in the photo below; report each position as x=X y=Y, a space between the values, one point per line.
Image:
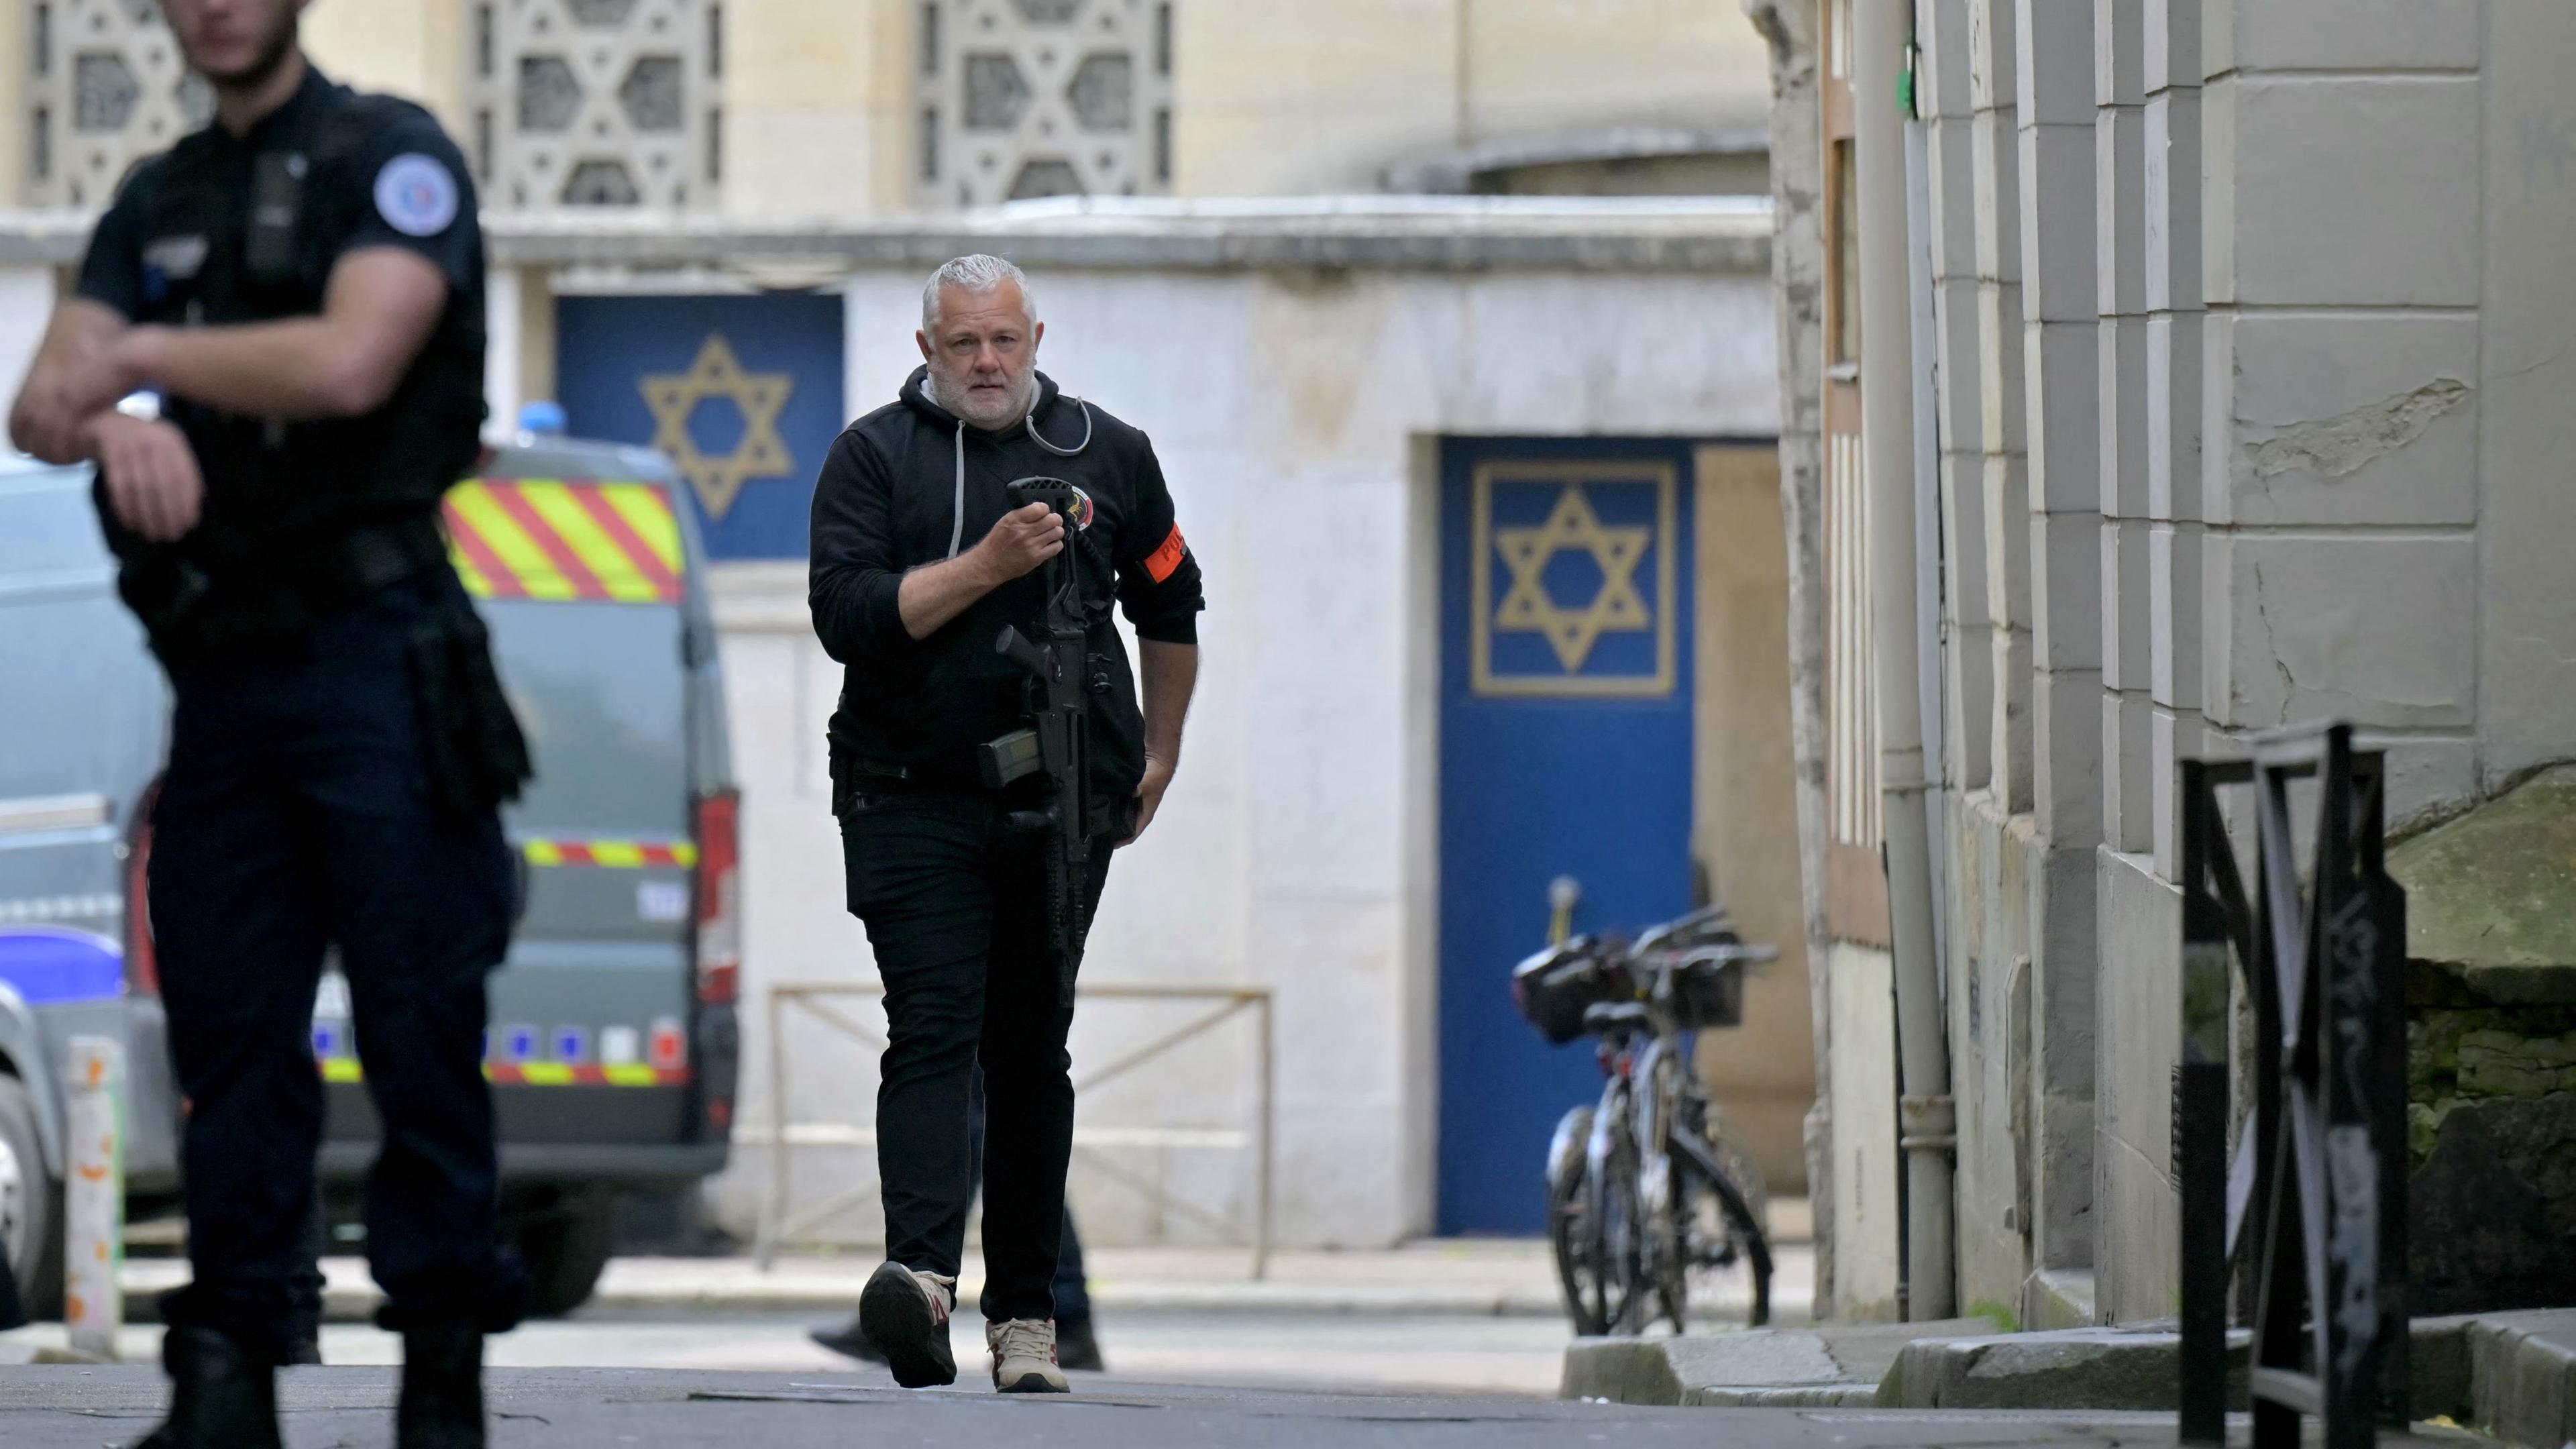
x=1020 y=405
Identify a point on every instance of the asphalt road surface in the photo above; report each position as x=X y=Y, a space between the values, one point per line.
x=1346 y=1352
x=50 y=1407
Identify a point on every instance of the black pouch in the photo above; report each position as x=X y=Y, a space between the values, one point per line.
x=476 y=756
x=845 y=787
x=856 y=782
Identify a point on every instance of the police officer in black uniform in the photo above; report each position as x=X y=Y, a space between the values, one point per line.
x=301 y=284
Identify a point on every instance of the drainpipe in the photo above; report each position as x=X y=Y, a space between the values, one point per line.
x=1881 y=33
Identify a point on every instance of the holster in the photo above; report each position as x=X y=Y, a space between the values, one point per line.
x=476 y=756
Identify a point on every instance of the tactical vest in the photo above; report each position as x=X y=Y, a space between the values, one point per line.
x=301 y=518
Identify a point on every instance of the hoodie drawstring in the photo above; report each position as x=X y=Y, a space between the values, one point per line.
x=957 y=529
x=1031 y=423
x=957 y=526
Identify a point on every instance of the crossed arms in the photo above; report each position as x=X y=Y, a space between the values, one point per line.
x=378 y=310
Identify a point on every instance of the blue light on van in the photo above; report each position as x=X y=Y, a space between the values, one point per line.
x=57 y=966
x=522 y=1044
x=572 y=1045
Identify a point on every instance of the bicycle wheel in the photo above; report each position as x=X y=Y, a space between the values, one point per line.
x=1717 y=1265
x=1617 y=1237
x=1569 y=1223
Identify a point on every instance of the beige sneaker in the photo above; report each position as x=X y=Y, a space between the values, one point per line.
x=1024 y=1357
x=905 y=1314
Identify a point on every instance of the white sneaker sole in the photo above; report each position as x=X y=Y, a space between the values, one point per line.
x=1032 y=1381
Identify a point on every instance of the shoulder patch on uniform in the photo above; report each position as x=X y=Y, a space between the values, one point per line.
x=416 y=195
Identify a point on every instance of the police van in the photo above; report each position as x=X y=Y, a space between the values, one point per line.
x=613 y=1044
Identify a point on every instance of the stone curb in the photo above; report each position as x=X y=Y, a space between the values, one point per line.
x=2510 y=1375
x=1813 y=1396
x=2089 y=1368
x=1837 y=1366
x=2522 y=1376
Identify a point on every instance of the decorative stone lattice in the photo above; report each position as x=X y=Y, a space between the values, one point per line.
x=596 y=103
x=106 y=88
x=1025 y=98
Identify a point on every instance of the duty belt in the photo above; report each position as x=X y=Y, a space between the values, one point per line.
x=193 y=617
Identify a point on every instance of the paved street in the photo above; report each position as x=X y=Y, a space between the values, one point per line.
x=1442 y=1316
x=51 y=1407
x=1435 y=1346
x=1430 y=1346
x=1347 y=1352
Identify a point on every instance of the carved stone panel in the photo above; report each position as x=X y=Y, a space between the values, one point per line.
x=595 y=103
x=106 y=88
x=1028 y=98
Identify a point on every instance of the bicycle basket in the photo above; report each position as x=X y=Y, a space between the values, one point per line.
x=1708 y=991
x=1553 y=988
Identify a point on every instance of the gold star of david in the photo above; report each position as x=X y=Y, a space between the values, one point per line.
x=717 y=373
x=1530 y=608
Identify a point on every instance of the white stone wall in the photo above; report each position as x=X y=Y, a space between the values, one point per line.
x=2526 y=430
x=1866 y=1223
x=2283 y=278
x=1293 y=412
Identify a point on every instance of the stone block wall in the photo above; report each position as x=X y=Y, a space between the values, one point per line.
x=2491 y=1050
x=2240 y=433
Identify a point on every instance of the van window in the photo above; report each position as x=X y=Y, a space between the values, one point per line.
x=600 y=693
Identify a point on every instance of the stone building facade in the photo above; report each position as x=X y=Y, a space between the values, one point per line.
x=1324 y=254
x=2246 y=383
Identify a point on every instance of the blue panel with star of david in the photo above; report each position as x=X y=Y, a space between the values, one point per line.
x=1548 y=770
x=776 y=359
x=1597 y=577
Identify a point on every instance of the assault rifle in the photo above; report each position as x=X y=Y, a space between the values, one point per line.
x=1057 y=741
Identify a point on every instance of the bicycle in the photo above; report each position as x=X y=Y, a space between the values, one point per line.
x=1650 y=1201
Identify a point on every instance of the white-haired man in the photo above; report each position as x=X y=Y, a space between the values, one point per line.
x=918 y=563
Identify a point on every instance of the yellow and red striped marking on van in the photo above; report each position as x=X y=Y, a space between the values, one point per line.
x=611 y=854
x=536 y=1074
x=540 y=538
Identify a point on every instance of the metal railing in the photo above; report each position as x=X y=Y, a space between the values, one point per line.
x=2320 y=1173
x=780 y=1221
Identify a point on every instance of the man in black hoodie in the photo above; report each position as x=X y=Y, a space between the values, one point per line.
x=918 y=563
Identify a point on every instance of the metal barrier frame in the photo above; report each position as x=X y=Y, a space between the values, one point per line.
x=2321 y=944
x=818 y=1000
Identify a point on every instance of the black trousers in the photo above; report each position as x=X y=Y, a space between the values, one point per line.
x=1072 y=1282
x=955 y=907
x=297 y=814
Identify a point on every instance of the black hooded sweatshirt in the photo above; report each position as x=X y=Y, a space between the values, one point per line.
x=889 y=500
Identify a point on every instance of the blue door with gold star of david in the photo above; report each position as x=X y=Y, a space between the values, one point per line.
x=1565 y=750
x=743 y=394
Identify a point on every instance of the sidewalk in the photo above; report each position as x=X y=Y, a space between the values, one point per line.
x=1479 y=1278
x=1441 y=1277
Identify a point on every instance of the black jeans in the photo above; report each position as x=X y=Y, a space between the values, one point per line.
x=1072 y=1284
x=955 y=907
x=297 y=813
